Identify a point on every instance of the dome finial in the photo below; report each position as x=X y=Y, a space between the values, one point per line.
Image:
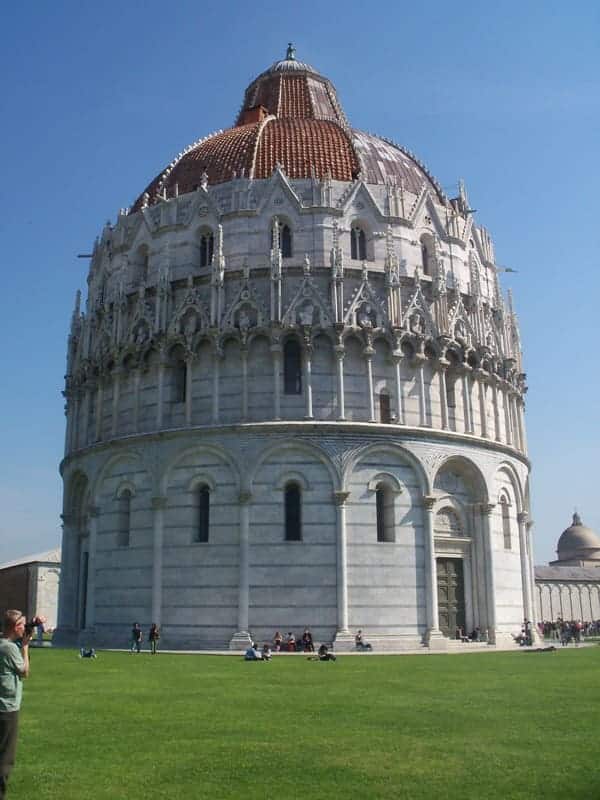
x=291 y=52
x=576 y=518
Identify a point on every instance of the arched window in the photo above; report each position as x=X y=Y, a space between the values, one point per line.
x=385 y=409
x=358 y=244
x=179 y=381
x=206 y=249
x=504 y=505
x=384 y=502
x=124 y=517
x=293 y=513
x=285 y=241
x=144 y=264
x=292 y=367
x=426 y=253
x=202 y=522
x=451 y=391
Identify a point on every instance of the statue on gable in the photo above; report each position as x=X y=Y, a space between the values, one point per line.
x=305 y=314
x=365 y=316
x=417 y=324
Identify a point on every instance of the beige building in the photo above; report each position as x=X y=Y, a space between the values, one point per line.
x=569 y=587
x=295 y=396
x=31 y=585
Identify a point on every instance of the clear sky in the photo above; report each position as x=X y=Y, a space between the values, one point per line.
x=96 y=98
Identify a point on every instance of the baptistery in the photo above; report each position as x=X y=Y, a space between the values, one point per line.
x=294 y=398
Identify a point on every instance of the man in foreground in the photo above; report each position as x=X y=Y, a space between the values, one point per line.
x=14 y=666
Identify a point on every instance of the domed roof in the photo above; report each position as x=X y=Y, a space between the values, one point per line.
x=577 y=537
x=290 y=117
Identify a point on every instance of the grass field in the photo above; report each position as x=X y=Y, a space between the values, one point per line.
x=491 y=725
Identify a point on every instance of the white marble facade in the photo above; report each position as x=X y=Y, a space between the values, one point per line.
x=211 y=381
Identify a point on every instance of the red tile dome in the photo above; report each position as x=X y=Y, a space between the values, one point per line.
x=290 y=116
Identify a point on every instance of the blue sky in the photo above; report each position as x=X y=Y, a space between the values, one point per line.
x=95 y=98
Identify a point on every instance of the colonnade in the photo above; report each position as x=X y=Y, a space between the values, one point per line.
x=569 y=600
x=479 y=390
x=79 y=597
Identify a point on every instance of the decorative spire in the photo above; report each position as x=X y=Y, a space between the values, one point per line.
x=291 y=52
x=576 y=519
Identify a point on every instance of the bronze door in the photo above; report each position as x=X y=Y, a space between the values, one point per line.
x=451 y=595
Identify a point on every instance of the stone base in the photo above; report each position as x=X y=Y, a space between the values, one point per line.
x=435 y=640
x=343 y=642
x=240 y=640
x=501 y=639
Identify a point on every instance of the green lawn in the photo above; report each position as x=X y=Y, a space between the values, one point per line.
x=490 y=725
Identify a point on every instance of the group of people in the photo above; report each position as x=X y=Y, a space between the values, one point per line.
x=303 y=644
x=567 y=631
x=254 y=654
x=137 y=637
x=293 y=644
x=476 y=635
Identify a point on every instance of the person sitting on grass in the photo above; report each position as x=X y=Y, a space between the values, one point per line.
x=87 y=652
x=324 y=654
x=266 y=652
x=277 y=641
x=252 y=654
x=360 y=643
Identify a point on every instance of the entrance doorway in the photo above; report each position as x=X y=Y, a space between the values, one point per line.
x=451 y=595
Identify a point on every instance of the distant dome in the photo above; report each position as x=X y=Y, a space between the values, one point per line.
x=578 y=541
x=291 y=117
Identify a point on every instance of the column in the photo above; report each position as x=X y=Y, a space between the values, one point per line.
x=308 y=407
x=116 y=378
x=276 y=354
x=81 y=439
x=442 y=365
x=244 y=358
x=137 y=379
x=343 y=632
x=433 y=635
x=158 y=508
x=215 y=397
x=507 y=418
x=466 y=392
x=67 y=583
x=515 y=421
x=369 y=360
x=68 y=409
x=522 y=433
x=486 y=514
x=189 y=388
x=99 y=411
x=160 y=393
x=421 y=386
x=482 y=403
x=339 y=357
x=90 y=603
x=526 y=574
x=495 y=406
x=529 y=535
x=241 y=638
x=399 y=409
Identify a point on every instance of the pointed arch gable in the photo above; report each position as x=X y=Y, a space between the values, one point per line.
x=506 y=469
x=131 y=456
x=214 y=450
x=394 y=449
x=471 y=470
x=307 y=447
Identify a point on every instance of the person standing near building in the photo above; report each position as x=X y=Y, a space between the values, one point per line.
x=14 y=666
x=153 y=637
